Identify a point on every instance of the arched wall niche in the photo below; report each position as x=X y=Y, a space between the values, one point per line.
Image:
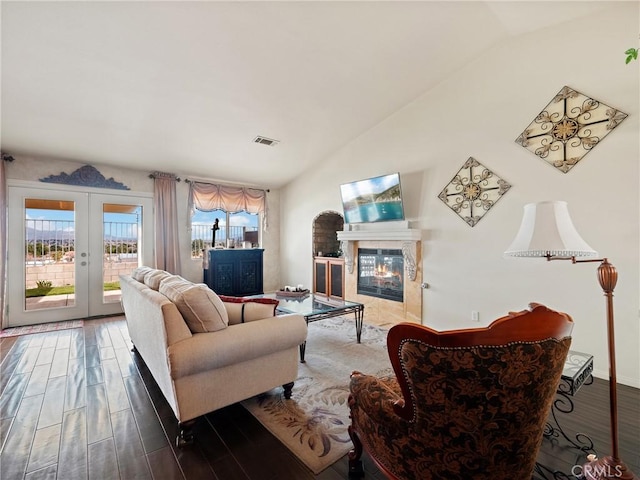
x=325 y=239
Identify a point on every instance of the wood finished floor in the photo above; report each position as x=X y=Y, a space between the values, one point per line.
x=78 y=404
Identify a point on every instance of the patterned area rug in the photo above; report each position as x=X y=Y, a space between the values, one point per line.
x=313 y=423
x=43 y=327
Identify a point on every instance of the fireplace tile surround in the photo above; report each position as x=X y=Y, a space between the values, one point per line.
x=387 y=235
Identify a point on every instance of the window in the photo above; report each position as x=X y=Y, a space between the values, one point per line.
x=233 y=230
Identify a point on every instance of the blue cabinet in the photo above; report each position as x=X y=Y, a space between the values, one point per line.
x=235 y=272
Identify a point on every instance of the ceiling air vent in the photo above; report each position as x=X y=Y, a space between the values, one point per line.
x=266 y=141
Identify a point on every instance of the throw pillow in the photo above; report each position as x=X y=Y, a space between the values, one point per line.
x=153 y=278
x=201 y=308
x=139 y=273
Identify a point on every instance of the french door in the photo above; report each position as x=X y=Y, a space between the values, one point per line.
x=67 y=247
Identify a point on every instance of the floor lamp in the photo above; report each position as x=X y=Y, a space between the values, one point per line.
x=547 y=231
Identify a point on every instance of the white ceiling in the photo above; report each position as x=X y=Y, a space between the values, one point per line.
x=184 y=87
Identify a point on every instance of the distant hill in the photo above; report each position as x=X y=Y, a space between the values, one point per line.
x=391 y=194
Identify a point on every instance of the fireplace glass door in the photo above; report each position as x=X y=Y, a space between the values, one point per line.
x=380 y=273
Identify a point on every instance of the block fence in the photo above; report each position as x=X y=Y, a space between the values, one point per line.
x=60 y=274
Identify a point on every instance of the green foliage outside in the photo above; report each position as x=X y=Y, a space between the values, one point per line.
x=197 y=245
x=64 y=290
x=632 y=54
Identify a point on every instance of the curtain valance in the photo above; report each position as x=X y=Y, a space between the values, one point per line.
x=208 y=197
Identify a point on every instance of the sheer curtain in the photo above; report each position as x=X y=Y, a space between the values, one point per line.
x=3 y=242
x=166 y=222
x=208 y=197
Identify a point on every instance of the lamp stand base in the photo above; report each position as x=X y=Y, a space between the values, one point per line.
x=606 y=468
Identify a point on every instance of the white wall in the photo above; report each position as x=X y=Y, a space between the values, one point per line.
x=34 y=168
x=479 y=112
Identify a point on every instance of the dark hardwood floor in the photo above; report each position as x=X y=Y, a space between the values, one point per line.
x=78 y=404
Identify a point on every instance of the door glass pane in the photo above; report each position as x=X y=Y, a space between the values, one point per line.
x=49 y=253
x=121 y=244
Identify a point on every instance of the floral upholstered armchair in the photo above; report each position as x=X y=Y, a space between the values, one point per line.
x=464 y=404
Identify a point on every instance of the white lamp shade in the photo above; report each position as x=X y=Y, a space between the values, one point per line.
x=547 y=229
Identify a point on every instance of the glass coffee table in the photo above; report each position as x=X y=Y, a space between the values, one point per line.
x=317 y=307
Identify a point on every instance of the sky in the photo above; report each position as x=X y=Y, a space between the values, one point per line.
x=67 y=215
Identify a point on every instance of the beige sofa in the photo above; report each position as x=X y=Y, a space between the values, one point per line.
x=206 y=353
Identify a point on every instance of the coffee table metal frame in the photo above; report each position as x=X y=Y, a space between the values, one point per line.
x=318 y=307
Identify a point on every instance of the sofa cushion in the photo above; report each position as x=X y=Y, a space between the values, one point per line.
x=139 y=273
x=153 y=278
x=201 y=308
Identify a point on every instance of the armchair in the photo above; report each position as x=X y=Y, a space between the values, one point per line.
x=464 y=404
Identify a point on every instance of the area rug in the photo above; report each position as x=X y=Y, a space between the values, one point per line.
x=313 y=423
x=43 y=327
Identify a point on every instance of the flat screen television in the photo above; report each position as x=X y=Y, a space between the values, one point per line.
x=377 y=199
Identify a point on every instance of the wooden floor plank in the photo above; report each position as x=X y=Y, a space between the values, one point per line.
x=5 y=426
x=6 y=345
x=10 y=361
x=76 y=345
x=117 y=341
x=38 y=381
x=125 y=362
x=151 y=433
x=64 y=340
x=107 y=353
x=17 y=448
x=103 y=340
x=114 y=385
x=45 y=448
x=47 y=473
x=94 y=375
x=44 y=340
x=72 y=461
x=75 y=394
x=28 y=360
x=92 y=356
x=12 y=395
x=37 y=339
x=164 y=466
x=45 y=357
x=103 y=464
x=53 y=404
x=60 y=363
x=89 y=331
x=99 y=419
x=132 y=461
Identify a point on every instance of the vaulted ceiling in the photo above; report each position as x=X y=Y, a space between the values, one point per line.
x=185 y=87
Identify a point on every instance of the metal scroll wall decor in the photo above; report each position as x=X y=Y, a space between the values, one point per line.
x=568 y=128
x=86 y=176
x=473 y=191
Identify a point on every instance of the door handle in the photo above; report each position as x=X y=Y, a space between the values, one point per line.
x=83 y=263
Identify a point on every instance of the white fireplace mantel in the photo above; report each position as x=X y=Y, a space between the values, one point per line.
x=384 y=231
x=380 y=231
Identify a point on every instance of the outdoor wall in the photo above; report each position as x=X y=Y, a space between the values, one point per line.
x=479 y=112
x=60 y=274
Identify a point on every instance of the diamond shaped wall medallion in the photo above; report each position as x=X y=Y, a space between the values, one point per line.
x=569 y=128
x=473 y=191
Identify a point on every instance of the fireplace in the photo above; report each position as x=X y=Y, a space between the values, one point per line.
x=381 y=273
